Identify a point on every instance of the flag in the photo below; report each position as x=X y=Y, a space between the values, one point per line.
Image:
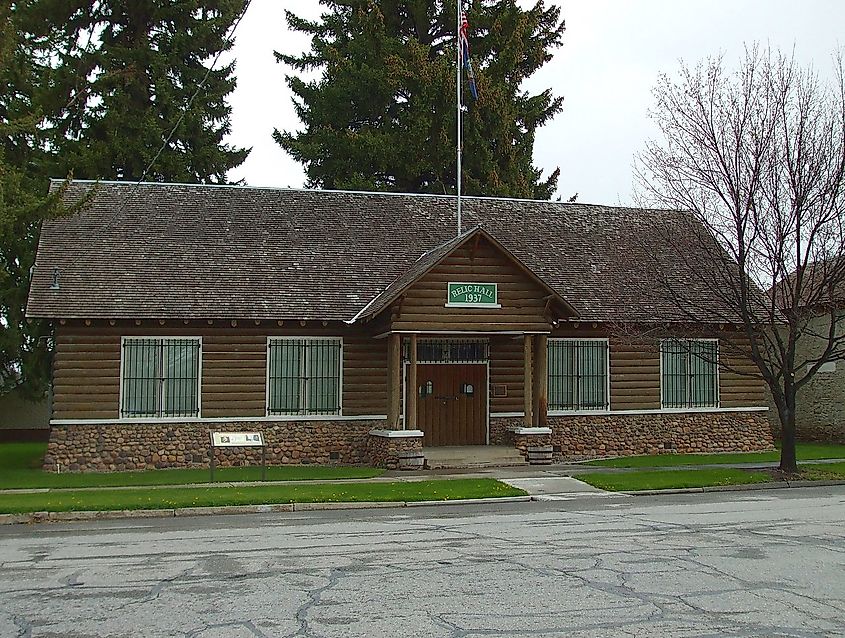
x=464 y=43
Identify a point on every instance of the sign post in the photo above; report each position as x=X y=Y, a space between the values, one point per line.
x=238 y=439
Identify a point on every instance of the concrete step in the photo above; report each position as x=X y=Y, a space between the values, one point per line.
x=471 y=456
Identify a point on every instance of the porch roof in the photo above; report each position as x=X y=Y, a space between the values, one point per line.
x=433 y=257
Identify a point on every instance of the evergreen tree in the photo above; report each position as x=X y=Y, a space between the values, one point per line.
x=24 y=358
x=126 y=74
x=93 y=89
x=382 y=114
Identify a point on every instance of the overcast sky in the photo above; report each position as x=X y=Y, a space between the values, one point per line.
x=612 y=53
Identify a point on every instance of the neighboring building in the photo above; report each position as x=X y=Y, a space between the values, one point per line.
x=820 y=403
x=22 y=419
x=182 y=309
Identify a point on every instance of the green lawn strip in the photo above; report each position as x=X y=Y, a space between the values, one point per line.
x=20 y=465
x=21 y=456
x=823 y=472
x=671 y=479
x=804 y=451
x=167 y=498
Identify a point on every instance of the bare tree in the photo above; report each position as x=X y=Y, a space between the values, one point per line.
x=755 y=161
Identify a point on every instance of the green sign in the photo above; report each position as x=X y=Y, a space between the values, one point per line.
x=473 y=295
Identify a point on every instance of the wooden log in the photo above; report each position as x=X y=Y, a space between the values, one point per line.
x=394 y=356
x=541 y=379
x=411 y=416
x=527 y=403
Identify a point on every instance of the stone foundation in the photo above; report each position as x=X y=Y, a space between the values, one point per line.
x=386 y=451
x=144 y=446
x=589 y=436
x=500 y=430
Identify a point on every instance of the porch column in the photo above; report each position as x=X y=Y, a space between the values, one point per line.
x=394 y=380
x=526 y=379
x=411 y=389
x=541 y=381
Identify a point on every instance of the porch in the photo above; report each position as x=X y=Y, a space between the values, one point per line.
x=440 y=395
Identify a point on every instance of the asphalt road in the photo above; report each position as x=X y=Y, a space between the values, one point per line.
x=769 y=563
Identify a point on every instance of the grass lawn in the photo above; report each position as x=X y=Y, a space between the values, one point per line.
x=20 y=467
x=824 y=472
x=441 y=490
x=669 y=479
x=804 y=451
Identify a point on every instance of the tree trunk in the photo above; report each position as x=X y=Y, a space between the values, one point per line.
x=788 y=462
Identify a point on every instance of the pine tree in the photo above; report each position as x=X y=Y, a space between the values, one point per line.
x=93 y=88
x=382 y=116
x=24 y=357
x=126 y=73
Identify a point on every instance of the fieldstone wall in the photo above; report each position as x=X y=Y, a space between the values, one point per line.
x=385 y=451
x=500 y=434
x=523 y=441
x=590 y=436
x=143 y=446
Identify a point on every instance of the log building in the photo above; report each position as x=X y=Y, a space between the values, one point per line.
x=358 y=328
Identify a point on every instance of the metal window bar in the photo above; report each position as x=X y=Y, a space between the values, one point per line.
x=450 y=351
x=577 y=374
x=304 y=377
x=160 y=378
x=689 y=373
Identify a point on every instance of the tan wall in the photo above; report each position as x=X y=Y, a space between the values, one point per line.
x=521 y=298
x=234 y=361
x=820 y=403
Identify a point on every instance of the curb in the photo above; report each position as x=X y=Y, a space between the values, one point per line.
x=746 y=487
x=51 y=517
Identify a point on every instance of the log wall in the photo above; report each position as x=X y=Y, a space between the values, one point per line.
x=86 y=367
x=423 y=306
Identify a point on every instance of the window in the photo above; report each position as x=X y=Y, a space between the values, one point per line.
x=449 y=350
x=578 y=374
x=160 y=377
x=689 y=376
x=304 y=376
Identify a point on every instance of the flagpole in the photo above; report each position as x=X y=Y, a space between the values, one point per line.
x=458 y=95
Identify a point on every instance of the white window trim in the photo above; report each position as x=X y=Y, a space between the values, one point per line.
x=603 y=410
x=753 y=408
x=301 y=417
x=717 y=392
x=123 y=340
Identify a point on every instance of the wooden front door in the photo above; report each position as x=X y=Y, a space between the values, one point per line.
x=452 y=403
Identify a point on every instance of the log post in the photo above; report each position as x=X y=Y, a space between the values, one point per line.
x=526 y=379
x=541 y=381
x=394 y=379
x=411 y=389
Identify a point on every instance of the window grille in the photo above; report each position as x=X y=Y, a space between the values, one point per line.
x=160 y=377
x=304 y=376
x=450 y=351
x=577 y=372
x=689 y=377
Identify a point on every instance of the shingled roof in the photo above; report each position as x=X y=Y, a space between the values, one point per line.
x=211 y=252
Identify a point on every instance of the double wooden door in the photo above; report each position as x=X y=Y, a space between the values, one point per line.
x=452 y=403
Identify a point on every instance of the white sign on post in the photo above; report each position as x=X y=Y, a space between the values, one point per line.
x=237 y=439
